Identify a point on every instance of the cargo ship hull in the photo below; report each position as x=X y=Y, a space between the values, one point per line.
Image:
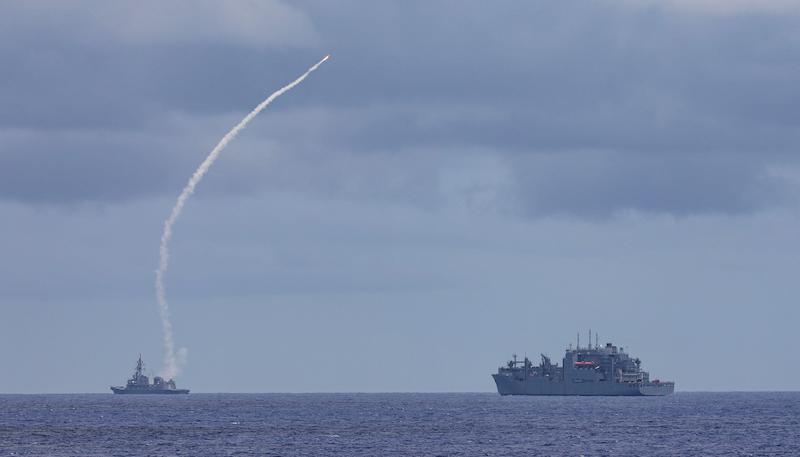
x=506 y=385
x=591 y=370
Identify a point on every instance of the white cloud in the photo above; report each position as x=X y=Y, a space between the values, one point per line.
x=245 y=22
x=725 y=6
x=269 y=22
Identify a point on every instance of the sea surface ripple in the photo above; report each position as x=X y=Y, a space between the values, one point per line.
x=458 y=424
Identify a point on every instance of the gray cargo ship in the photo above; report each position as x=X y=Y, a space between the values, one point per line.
x=140 y=384
x=591 y=370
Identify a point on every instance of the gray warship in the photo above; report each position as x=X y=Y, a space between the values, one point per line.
x=140 y=384
x=591 y=370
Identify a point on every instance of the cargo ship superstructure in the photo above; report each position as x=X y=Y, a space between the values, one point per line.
x=591 y=370
x=140 y=384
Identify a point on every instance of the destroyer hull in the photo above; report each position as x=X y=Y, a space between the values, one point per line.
x=139 y=384
x=124 y=391
x=508 y=385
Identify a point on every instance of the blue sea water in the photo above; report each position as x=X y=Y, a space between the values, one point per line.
x=459 y=424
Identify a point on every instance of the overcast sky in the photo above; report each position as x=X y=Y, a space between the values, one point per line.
x=460 y=182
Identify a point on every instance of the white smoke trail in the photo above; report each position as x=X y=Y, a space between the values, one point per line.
x=171 y=369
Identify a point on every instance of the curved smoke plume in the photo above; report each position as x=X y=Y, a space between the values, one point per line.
x=171 y=368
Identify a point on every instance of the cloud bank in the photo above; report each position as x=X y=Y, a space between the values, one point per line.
x=584 y=109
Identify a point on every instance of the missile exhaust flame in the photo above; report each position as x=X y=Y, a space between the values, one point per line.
x=171 y=365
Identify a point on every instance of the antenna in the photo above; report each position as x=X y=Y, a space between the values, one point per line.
x=595 y=341
x=590 y=338
x=579 y=341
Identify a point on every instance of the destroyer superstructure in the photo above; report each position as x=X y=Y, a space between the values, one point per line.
x=140 y=384
x=591 y=370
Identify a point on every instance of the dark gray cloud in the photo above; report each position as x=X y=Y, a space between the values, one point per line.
x=593 y=107
x=597 y=183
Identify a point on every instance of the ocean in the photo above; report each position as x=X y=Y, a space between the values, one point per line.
x=403 y=424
